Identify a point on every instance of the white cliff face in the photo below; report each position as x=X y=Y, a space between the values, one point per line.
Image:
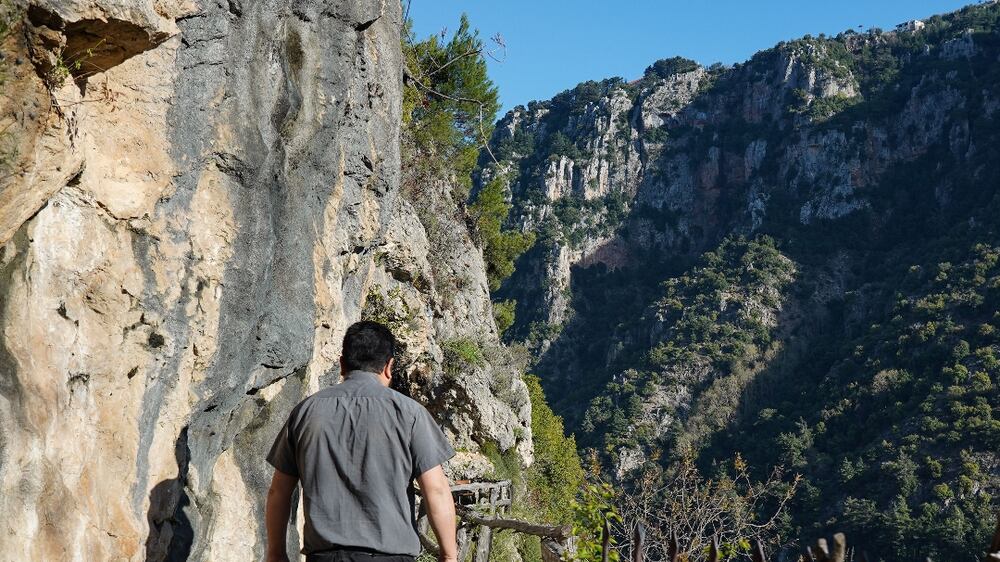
x=667 y=97
x=800 y=136
x=193 y=216
x=703 y=152
x=559 y=178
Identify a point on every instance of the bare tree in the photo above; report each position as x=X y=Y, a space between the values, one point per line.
x=681 y=507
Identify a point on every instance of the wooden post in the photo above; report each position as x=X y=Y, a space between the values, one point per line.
x=505 y=498
x=484 y=537
x=714 y=554
x=606 y=541
x=638 y=538
x=494 y=496
x=822 y=551
x=484 y=541
x=758 y=552
x=463 y=542
x=672 y=549
x=839 y=551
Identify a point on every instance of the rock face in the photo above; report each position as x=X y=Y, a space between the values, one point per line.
x=652 y=172
x=726 y=258
x=656 y=154
x=831 y=145
x=198 y=199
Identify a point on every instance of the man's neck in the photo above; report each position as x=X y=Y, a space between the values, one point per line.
x=365 y=374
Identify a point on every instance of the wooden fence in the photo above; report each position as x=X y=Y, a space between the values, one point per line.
x=481 y=508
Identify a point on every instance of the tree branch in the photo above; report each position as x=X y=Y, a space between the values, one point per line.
x=408 y=75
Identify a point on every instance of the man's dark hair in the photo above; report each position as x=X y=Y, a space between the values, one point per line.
x=368 y=346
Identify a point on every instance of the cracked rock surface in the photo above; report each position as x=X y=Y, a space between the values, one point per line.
x=195 y=214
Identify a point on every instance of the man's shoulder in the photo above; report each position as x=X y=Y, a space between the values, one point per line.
x=321 y=394
x=401 y=402
x=406 y=403
x=410 y=408
x=307 y=404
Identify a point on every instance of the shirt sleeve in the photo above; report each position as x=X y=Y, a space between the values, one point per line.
x=282 y=455
x=428 y=445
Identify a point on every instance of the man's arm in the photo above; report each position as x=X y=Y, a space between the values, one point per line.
x=440 y=510
x=276 y=514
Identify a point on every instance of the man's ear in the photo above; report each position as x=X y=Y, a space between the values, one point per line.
x=388 y=367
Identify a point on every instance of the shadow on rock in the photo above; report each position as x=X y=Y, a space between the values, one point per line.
x=171 y=533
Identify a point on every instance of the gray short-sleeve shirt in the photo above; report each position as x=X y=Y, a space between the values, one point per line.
x=356 y=448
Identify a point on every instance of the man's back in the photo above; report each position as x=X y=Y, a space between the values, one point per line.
x=356 y=447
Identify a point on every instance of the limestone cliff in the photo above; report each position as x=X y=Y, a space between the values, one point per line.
x=641 y=177
x=677 y=156
x=197 y=199
x=761 y=260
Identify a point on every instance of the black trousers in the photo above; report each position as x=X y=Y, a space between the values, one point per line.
x=356 y=555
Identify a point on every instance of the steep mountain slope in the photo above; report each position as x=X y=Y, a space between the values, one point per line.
x=794 y=258
x=197 y=199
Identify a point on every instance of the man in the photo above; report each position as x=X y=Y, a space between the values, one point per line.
x=356 y=447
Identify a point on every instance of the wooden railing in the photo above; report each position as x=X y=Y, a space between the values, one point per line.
x=481 y=508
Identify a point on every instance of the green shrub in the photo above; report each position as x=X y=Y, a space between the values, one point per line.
x=824 y=108
x=391 y=310
x=594 y=506
x=503 y=314
x=501 y=247
x=556 y=475
x=461 y=353
x=665 y=68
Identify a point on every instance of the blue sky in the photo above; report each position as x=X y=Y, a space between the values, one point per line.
x=553 y=45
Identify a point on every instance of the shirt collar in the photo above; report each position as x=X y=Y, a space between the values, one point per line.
x=362 y=376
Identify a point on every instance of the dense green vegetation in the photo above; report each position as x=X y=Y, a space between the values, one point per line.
x=556 y=476
x=894 y=423
x=500 y=246
x=449 y=105
x=858 y=348
x=711 y=328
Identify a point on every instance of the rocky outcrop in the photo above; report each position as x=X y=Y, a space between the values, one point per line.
x=686 y=157
x=199 y=198
x=834 y=146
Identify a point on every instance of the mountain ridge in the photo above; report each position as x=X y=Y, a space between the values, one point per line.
x=847 y=162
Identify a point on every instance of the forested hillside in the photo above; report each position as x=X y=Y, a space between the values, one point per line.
x=794 y=258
